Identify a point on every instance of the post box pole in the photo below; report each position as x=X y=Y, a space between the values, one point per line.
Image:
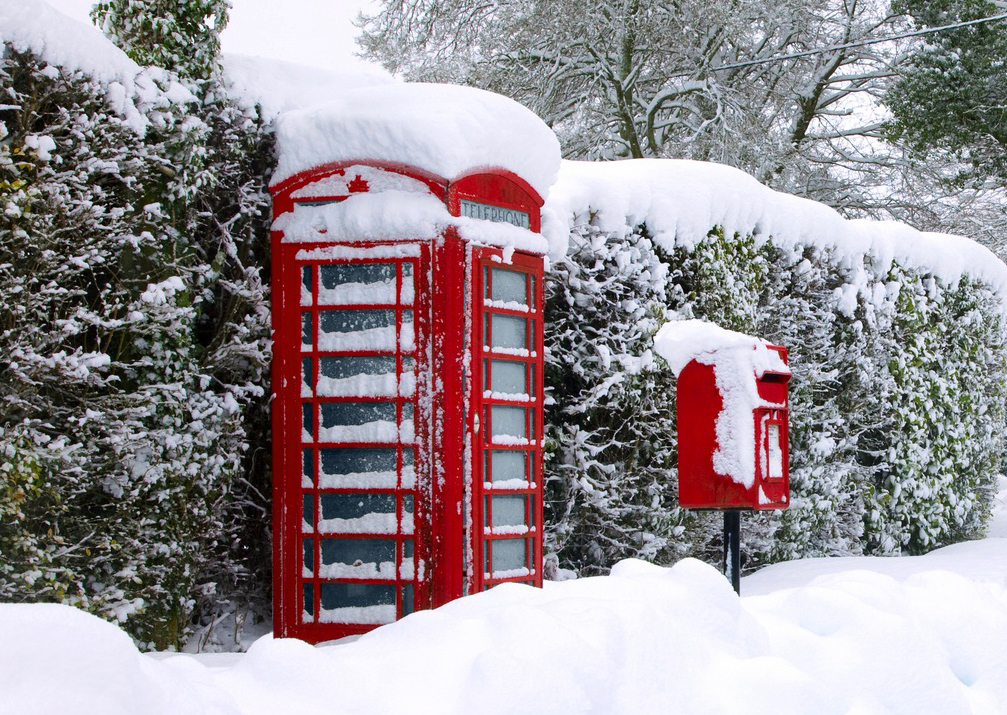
x=732 y=548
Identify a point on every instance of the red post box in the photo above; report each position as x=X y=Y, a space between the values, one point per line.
x=732 y=448
x=408 y=382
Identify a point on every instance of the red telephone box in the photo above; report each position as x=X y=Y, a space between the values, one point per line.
x=700 y=405
x=408 y=388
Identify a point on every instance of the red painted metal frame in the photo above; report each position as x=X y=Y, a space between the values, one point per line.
x=533 y=266
x=501 y=188
x=288 y=446
x=448 y=312
x=699 y=404
x=449 y=299
x=283 y=200
x=286 y=413
x=506 y=190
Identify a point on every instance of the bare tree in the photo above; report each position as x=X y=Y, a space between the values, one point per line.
x=721 y=80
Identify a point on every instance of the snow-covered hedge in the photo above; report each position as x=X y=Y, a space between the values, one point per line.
x=133 y=332
x=896 y=341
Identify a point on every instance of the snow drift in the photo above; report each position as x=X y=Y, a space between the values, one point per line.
x=829 y=636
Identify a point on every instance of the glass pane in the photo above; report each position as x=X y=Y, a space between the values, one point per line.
x=408 y=294
x=508 y=511
x=358 y=514
x=349 y=330
x=509 y=555
x=309 y=600
x=356 y=413
x=407 y=384
x=510 y=286
x=307 y=331
x=408 y=470
x=509 y=422
x=306 y=284
x=308 y=515
x=307 y=378
x=358 y=422
x=307 y=421
x=356 y=377
x=408 y=599
x=358 y=558
x=357 y=284
x=308 y=460
x=364 y=273
x=509 y=332
x=343 y=367
x=353 y=506
x=507 y=465
x=775 y=453
x=356 y=595
x=508 y=377
x=357 y=467
x=407 y=339
x=309 y=556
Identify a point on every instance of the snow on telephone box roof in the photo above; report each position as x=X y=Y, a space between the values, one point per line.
x=443 y=131
x=446 y=130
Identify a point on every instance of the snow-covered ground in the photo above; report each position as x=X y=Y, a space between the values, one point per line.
x=848 y=636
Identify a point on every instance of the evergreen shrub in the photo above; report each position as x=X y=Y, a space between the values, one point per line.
x=897 y=398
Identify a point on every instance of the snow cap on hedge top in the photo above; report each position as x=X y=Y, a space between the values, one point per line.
x=681 y=201
x=33 y=26
x=446 y=130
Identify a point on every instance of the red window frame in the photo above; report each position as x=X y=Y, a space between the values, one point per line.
x=302 y=578
x=484 y=536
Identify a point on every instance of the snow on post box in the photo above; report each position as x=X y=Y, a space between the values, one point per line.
x=407 y=359
x=733 y=410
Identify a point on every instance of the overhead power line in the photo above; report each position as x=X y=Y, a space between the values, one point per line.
x=864 y=43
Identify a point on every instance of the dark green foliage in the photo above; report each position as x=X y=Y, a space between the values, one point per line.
x=608 y=466
x=951 y=94
x=897 y=399
x=134 y=329
x=182 y=36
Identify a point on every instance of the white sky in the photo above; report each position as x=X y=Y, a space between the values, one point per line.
x=313 y=32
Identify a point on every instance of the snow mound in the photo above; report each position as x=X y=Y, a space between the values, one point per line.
x=276 y=86
x=680 y=201
x=446 y=130
x=58 y=659
x=396 y=215
x=680 y=342
x=33 y=26
x=826 y=636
